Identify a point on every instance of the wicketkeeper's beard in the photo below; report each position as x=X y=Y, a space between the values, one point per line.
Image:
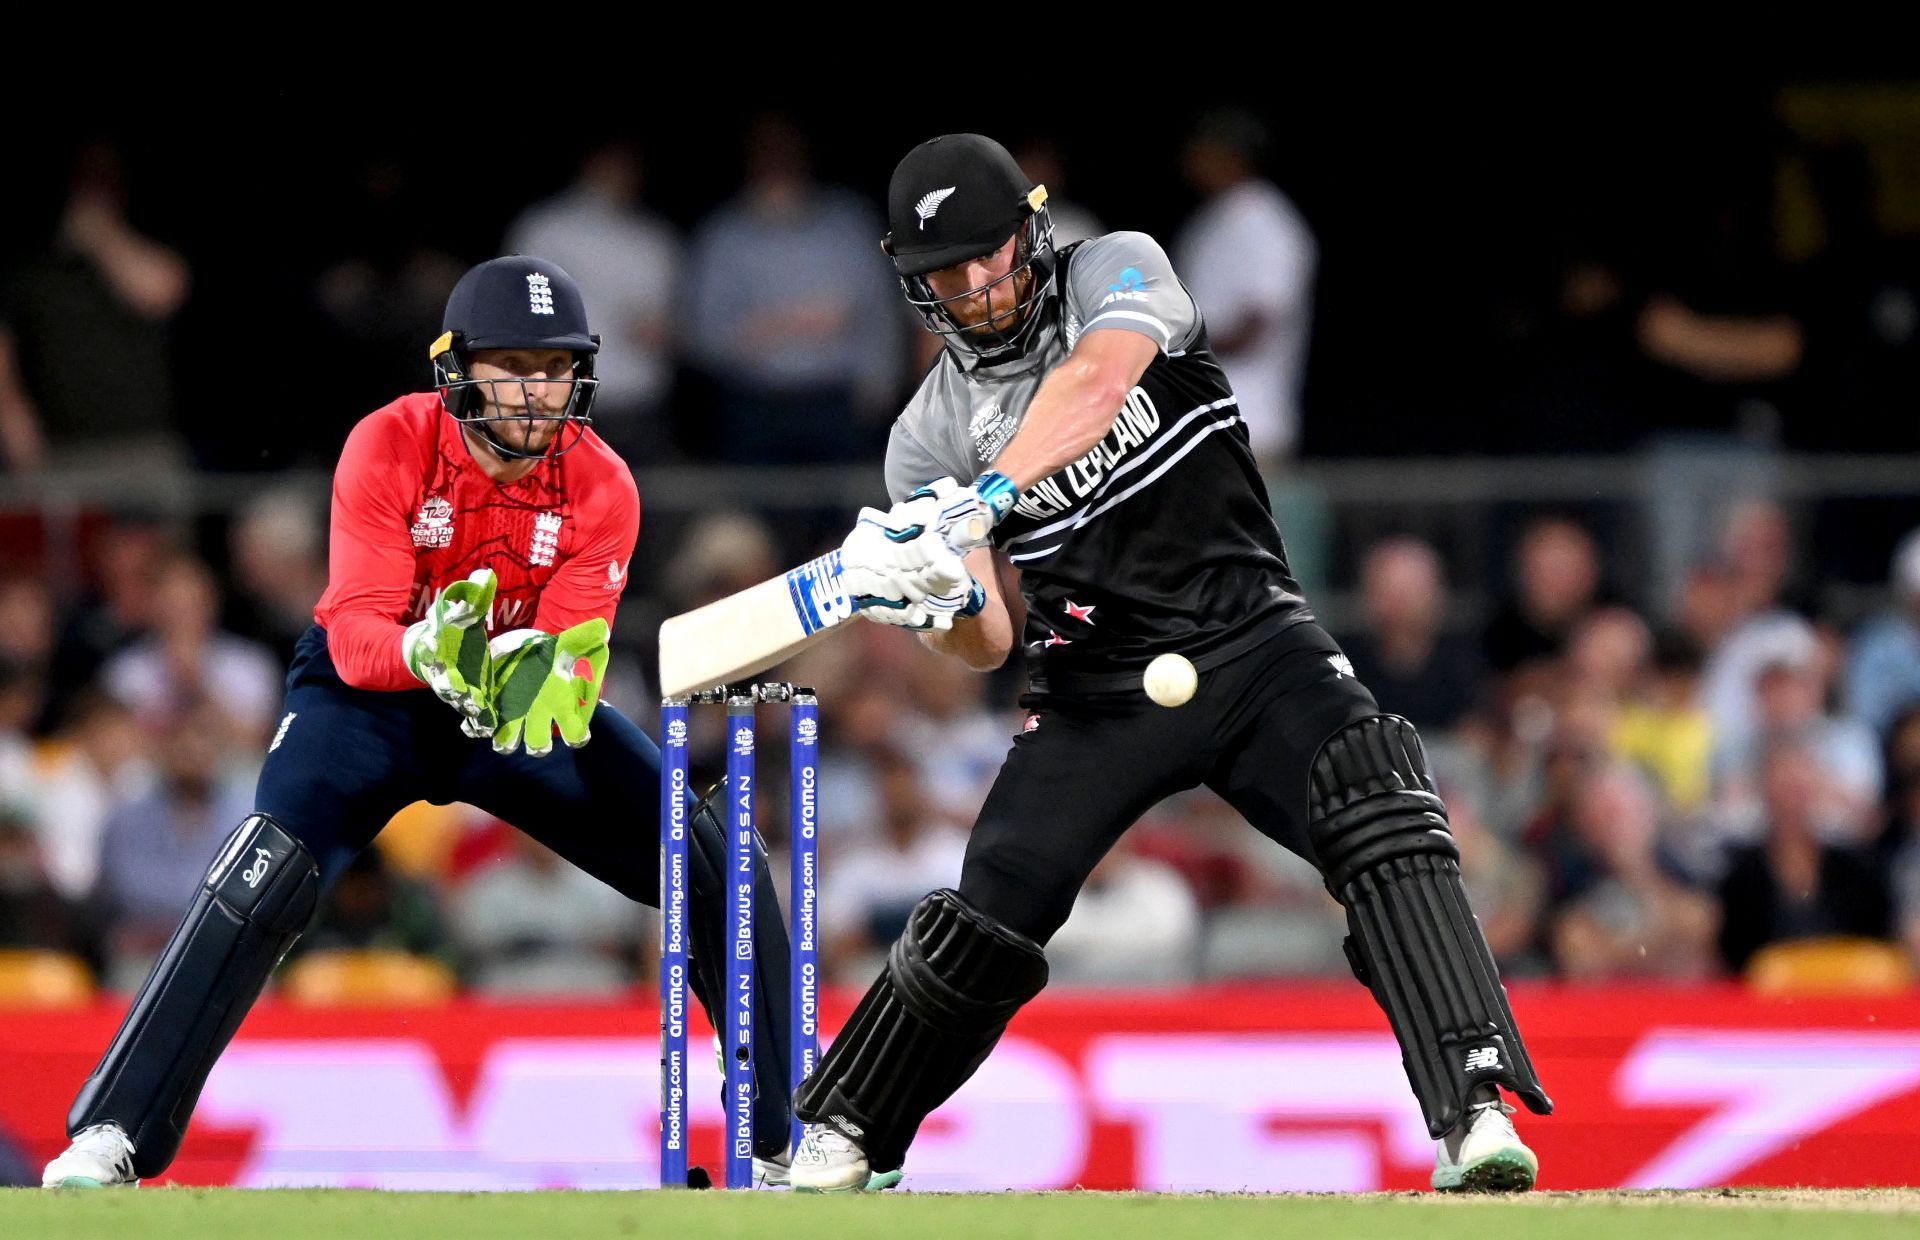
x=520 y=432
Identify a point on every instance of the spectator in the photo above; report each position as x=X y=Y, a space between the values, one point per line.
x=1902 y=764
x=23 y=448
x=372 y=908
x=791 y=310
x=1607 y=656
x=1414 y=667
x=116 y=607
x=957 y=744
x=187 y=659
x=1632 y=918
x=85 y=344
x=26 y=622
x=1708 y=605
x=1576 y=750
x=19 y=698
x=1792 y=885
x=33 y=914
x=1134 y=923
x=95 y=764
x=156 y=849
x=1789 y=696
x=1557 y=568
x=627 y=262
x=380 y=301
x=1758 y=545
x=1665 y=732
x=724 y=552
x=1883 y=677
x=1716 y=325
x=532 y=924
x=279 y=571
x=1249 y=258
x=1505 y=887
x=869 y=889
x=16 y=704
x=1756 y=565
x=861 y=722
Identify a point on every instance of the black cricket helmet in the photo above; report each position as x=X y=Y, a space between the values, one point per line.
x=961 y=197
x=516 y=302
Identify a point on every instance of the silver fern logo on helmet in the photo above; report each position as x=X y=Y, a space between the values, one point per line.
x=929 y=204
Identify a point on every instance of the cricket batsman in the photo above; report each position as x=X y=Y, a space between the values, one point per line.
x=480 y=539
x=1110 y=468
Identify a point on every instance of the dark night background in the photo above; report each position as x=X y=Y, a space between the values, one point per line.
x=1446 y=216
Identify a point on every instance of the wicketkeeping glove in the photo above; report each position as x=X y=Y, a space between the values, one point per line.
x=542 y=681
x=447 y=651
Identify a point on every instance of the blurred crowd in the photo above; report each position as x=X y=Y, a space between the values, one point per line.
x=770 y=332
x=1654 y=770
x=1638 y=792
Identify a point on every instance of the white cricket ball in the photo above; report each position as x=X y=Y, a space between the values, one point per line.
x=1171 y=680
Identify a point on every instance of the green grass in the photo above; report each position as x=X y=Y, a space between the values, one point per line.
x=202 y=1214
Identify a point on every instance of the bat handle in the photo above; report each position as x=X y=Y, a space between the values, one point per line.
x=972 y=533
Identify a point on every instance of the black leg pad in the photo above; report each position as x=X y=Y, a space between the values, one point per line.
x=1379 y=831
x=710 y=931
x=952 y=982
x=256 y=901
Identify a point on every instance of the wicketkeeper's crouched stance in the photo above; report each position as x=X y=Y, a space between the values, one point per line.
x=471 y=511
x=1079 y=390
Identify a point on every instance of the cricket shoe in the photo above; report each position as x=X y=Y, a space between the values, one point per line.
x=1483 y=1154
x=828 y=1161
x=100 y=1157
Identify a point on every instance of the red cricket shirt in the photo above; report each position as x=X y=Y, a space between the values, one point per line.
x=413 y=513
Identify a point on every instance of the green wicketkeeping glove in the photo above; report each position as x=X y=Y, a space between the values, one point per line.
x=448 y=650
x=541 y=682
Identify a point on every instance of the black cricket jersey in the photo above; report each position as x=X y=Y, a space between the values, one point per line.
x=1161 y=538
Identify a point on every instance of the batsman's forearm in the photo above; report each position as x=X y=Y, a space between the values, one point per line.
x=982 y=642
x=1071 y=413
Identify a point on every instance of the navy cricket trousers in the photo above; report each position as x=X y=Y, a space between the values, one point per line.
x=345 y=760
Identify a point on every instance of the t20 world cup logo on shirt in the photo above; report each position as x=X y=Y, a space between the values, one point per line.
x=433 y=524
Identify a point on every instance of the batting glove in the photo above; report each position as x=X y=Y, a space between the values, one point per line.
x=900 y=555
x=968 y=514
x=935 y=613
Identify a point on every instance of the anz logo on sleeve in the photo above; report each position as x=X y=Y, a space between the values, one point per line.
x=1131 y=286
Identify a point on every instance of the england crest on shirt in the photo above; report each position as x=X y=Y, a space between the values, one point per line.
x=546 y=539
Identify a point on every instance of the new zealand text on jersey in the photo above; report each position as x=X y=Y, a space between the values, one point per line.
x=1139 y=420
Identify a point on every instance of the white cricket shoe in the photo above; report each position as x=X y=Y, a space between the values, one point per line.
x=827 y=1161
x=1483 y=1154
x=100 y=1157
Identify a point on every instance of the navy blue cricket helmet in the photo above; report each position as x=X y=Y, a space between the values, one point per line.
x=515 y=302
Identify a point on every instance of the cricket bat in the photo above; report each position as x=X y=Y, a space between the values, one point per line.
x=751 y=631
